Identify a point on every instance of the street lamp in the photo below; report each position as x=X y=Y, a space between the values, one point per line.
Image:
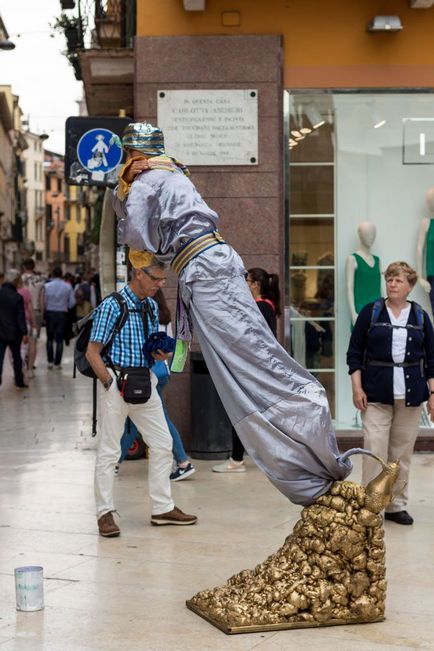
x=6 y=44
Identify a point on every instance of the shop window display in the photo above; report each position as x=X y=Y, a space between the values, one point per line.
x=311 y=246
x=354 y=157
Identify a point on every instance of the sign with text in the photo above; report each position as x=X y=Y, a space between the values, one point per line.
x=210 y=127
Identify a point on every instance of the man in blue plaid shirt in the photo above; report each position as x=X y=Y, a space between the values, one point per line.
x=126 y=351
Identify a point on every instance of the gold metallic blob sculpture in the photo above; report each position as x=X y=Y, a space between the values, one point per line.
x=330 y=570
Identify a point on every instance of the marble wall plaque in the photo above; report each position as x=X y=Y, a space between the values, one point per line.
x=210 y=127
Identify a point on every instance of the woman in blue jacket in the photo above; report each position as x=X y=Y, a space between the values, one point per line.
x=391 y=363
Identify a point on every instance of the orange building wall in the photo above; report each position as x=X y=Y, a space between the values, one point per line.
x=57 y=201
x=325 y=41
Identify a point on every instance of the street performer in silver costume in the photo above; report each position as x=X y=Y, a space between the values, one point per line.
x=279 y=410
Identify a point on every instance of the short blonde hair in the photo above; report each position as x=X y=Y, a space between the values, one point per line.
x=397 y=268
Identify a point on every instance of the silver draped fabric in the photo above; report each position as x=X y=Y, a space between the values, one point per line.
x=162 y=212
x=280 y=411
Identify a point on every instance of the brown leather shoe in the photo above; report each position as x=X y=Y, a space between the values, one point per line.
x=107 y=526
x=176 y=516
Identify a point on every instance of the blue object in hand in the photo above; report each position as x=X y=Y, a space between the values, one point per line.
x=158 y=341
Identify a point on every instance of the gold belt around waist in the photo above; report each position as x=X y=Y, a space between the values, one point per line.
x=194 y=248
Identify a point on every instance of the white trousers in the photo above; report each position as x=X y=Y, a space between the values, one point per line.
x=390 y=431
x=151 y=422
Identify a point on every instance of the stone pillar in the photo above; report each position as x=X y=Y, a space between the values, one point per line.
x=249 y=200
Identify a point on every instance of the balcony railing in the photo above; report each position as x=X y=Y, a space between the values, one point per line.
x=108 y=23
x=96 y=24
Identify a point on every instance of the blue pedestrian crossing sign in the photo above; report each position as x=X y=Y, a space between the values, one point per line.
x=98 y=150
x=93 y=150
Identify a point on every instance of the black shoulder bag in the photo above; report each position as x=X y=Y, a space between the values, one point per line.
x=134 y=382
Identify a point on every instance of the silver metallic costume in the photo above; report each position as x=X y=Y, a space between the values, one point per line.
x=279 y=410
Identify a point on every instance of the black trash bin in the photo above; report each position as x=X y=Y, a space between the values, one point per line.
x=211 y=429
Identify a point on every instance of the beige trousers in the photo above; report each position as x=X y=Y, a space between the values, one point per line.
x=390 y=432
x=151 y=422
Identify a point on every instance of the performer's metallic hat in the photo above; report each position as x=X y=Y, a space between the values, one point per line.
x=144 y=137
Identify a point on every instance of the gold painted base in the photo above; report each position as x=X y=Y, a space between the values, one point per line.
x=330 y=571
x=257 y=628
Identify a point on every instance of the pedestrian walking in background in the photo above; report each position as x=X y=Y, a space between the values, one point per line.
x=31 y=330
x=184 y=467
x=391 y=363
x=86 y=287
x=35 y=284
x=13 y=328
x=71 y=316
x=58 y=299
x=96 y=283
x=266 y=292
x=83 y=306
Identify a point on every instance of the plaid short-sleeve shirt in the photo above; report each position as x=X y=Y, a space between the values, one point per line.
x=127 y=345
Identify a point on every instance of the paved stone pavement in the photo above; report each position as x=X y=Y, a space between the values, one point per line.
x=129 y=592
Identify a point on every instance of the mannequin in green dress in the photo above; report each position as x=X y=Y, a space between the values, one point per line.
x=362 y=271
x=425 y=249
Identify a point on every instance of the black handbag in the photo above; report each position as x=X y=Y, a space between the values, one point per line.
x=134 y=384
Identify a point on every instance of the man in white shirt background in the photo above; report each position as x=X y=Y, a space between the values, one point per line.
x=58 y=299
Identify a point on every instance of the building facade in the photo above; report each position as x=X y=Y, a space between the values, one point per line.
x=345 y=116
x=35 y=197
x=55 y=209
x=7 y=194
x=13 y=210
x=70 y=211
x=78 y=224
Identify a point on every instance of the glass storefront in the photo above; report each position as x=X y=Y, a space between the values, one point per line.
x=353 y=157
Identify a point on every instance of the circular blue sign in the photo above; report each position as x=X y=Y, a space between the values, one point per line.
x=97 y=150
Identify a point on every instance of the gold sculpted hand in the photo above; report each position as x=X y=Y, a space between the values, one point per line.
x=138 y=166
